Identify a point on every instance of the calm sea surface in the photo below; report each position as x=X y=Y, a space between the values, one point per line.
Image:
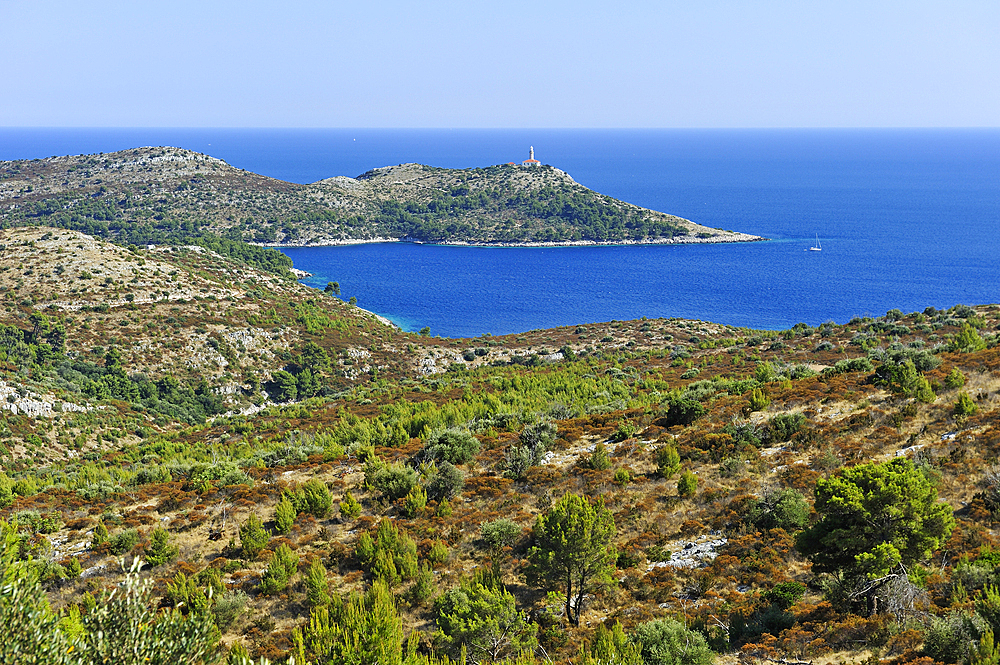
x=907 y=219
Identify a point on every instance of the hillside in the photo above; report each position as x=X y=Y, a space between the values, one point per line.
x=166 y=398
x=156 y=195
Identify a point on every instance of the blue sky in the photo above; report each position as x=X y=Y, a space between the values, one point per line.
x=443 y=63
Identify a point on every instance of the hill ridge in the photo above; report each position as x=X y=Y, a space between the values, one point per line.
x=147 y=195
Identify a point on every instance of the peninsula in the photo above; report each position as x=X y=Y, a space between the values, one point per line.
x=157 y=195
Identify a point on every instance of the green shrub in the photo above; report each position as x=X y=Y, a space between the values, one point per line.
x=452 y=445
x=392 y=481
x=389 y=554
x=499 y=533
x=668 y=461
x=284 y=515
x=424 y=587
x=668 y=642
x=160 y=550
x=100 y=534
x=6 y=490
x=758 y=400
x=438 y=553
x=785 y=508
x=415 y=502
x=123 y=541
x=349 y=506
x=784 y=426
x=480 y=617
x=317 y=588
x=599 y=459
x=964 y=406
x=73 y=568
x=949 y=638
x=228 y=607
x=284 y=563
x=313 y=498
x=682 y=411
x=626 y=430
x=784 y=594
x=955 y=379
x=687 y=485
x=446 y=481
x=253 y=537
x=967 y=340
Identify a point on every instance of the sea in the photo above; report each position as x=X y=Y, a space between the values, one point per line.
x=907 y=219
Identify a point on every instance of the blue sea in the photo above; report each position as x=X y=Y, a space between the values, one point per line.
x=907 y=219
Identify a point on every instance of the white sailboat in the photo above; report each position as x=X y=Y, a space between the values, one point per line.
x=817 y=247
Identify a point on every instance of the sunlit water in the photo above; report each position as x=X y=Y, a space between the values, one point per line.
x=907 y=219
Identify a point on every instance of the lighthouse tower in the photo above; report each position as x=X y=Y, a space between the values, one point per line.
x=531 y=161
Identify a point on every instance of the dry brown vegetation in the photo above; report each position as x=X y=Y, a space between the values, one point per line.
x=601 y=383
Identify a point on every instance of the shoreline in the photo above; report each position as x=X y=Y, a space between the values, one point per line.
x=723 y=238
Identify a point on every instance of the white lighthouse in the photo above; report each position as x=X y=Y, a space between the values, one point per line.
x=531 y=161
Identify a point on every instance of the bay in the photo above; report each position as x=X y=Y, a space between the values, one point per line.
x=907 y=219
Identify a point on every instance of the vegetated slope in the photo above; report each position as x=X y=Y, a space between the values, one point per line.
x=176 y=332
x=705 y=442
x=156 y=195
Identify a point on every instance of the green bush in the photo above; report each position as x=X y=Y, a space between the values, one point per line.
x=313 y=498
x=160 y=550
x=949 y=638
x=682 y=411
x=253 y=537
x=668 y=461
x=446 y=481
x=317 y=588
x=107 y=633
x=955 y=379
x=499 y=533
x=785 y=508
x=758 y=400
x=784 y=426
x=964 y=406
x=6 y=490
x=784 y=594
x=390 y=550
x=687 y=485
x=599 y=459
x=349 y=506
x=438 y=553
x=228 y=608
x=392 y=481
x=415 y=502
x=480 y=617
x=284 y=563
x=452 y=445
x=424 y=587
x=123 y=541
x=284 y=515
x=668 y=642
x=100 y=534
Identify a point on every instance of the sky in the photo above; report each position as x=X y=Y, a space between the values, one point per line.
x=509 y=64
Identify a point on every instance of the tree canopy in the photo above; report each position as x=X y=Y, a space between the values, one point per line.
x=573 y=551
x=875 y=517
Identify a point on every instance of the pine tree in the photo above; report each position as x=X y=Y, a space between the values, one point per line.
x=573 y=552
x=317 y=589
x=253 y=537
x=284 y=515
x=160 y=550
